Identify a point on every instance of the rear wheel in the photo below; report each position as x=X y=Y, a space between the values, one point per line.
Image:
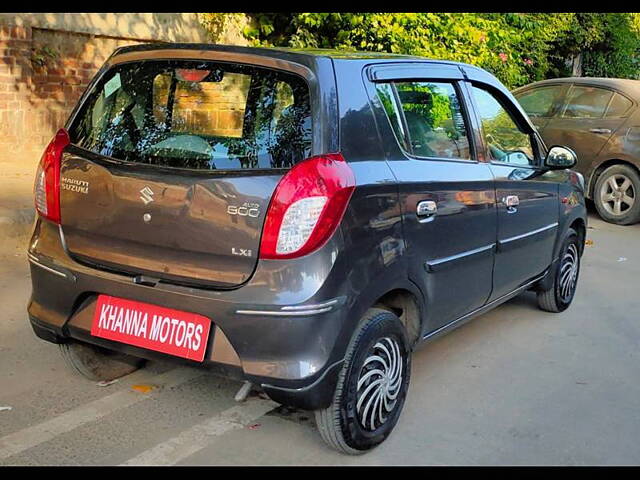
x=372 y=386
x=617 y=195
x=560 y=295
x=96 y=363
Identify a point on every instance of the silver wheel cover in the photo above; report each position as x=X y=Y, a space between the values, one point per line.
x=379 y=384
x=568 y=273
x=617 y=194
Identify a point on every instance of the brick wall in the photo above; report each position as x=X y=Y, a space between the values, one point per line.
x=209 y=108
x=42 y=74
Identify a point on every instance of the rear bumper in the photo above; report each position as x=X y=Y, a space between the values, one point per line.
x=284 y=329
x=315 y=395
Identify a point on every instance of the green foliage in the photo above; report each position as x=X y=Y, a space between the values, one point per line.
x=216 y=23
x=516 y=47
x=609 y=44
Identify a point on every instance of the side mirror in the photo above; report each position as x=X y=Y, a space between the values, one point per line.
x=560 y=158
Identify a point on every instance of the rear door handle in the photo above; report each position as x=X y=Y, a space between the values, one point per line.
x=511 y=202
x=600 y=130
x=426 y=208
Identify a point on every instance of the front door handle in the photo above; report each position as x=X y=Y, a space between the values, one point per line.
x=426 y=208
x=600 y=130
x=511 y=202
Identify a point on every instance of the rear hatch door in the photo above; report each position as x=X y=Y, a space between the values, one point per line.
x=173 y=164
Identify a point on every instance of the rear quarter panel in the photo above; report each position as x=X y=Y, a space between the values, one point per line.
x=623 y=146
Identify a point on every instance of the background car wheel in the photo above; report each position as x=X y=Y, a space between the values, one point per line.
x=98 y=364
x=560 y=295
x=617 y=195
x=372 y=386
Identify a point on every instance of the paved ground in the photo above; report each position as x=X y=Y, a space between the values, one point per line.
x=515 y=386
x=16 y=202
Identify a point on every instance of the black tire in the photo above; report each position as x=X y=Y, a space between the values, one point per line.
x=560 y=295
x=342 y=425
x=606 y=197
x=98 y=364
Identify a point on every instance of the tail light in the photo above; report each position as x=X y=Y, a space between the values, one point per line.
x=47 y=185
x=307 y=206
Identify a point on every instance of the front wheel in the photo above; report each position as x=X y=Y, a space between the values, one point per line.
x=371 y=388
x=560 y=295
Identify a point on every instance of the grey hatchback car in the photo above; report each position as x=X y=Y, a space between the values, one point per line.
x=300 y=220
x=599 y=119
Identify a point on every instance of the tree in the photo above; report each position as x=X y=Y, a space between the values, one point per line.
x=517 y=47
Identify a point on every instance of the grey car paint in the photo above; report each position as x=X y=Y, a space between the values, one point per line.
x=286 y=324
x=183 y=217
x=443 y=259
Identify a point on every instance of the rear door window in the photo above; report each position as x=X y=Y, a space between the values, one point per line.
x=197 y=115
x=427 y=118
x=586 y=102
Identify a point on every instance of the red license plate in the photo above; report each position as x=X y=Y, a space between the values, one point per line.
x=165 y=330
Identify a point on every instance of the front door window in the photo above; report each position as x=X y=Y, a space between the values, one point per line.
x=505 y=140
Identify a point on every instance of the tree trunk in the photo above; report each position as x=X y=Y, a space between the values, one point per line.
x=576 y=65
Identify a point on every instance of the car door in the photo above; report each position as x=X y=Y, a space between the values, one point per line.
x=526 y=194
x=587 y=120
x=542 y=102
x=446 y=195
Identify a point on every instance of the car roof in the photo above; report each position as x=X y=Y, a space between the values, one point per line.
x=283 y=53
x=625 y=85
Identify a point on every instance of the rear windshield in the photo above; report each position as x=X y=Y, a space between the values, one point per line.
x=197 y=115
